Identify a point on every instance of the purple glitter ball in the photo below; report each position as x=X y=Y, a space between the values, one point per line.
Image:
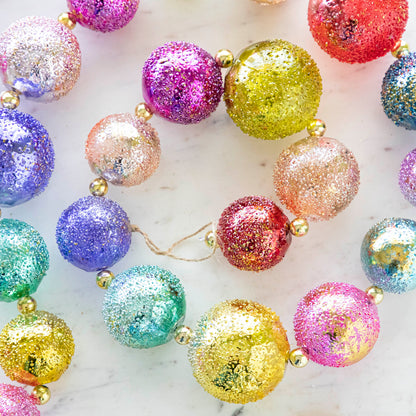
x=15 y=401
x=182 y=82
x=93 y=233
x=26 y=157
x=103 y=15
x=407 y=177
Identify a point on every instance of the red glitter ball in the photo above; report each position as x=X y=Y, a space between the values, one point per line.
x=357 y=30
x=253 y=233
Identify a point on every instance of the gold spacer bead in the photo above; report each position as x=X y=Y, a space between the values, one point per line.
x=376 y=293
x=224 y=58
x=401 y=49
x=298 y=358
x=104 y=279
x=10 y=99
x=299 y=227
x=67 y=20
x=210 y=239
x=143 y=111
x=99 y=187
x=26 y=305
x=42 y=394
x=317 y=128
x=183 y=335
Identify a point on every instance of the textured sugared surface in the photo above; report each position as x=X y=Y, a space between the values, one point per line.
x=336 y=324
x=273 y=89
x=357 y=30
x=24 y=259
x=93 y=233
x=388 y=255
x=15 y=401
x=398 y=92
x=316 y=178
x=103 y=15
x=26 y=157
x=40 y=57
x=143 y=306
x=253 y=233
x=123 y=149
x=182 y=82
x=36 y=348
x=239 y=351
x=407 y=177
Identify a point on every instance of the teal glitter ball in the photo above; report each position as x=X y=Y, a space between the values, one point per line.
x=24 y=259
x=143 y=306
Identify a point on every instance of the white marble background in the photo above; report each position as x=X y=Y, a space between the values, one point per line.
x=203 y=169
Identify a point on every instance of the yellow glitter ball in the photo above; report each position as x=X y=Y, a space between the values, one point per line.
x=36 y=348
x=239 y=351
x=273 y=89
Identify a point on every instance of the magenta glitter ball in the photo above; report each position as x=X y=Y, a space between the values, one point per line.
x=336 y=324
x=253 y=233
x=182 y=82
x=15 y=401
x=103 y=15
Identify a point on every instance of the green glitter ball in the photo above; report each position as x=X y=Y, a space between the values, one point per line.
x=273 y=89
x=24 y=259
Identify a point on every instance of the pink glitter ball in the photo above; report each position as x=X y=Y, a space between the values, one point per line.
x=336 y=324
x=182 y=82
x=15 y=401
x=103 y=15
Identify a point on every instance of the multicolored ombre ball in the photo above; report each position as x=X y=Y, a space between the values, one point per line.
x=239 y=351
x=36 y=348
x=316 y=178
x=26 y=157
x=39 y=57
x=407 y=177
x=397 y=94
x=182 y=82
x=123 y=149
x=273 y=89
x=357 y=30
x=143 y=306
x=253 y=233
x=15 y=401
x=93 y=233
x=388 y=255
x=336 y=324
x=103 y=15
x=24 y=260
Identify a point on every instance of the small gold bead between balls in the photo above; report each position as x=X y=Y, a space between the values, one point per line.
x=10 y=100
x=224 y=58
x=400 y=50
x=376 y=293
x=210 y=239
x=42 y=394
x=299 y=227
x=99 y=187
x=104 y=279
x=67 y=20
x=26 y=305
x=143 y=111
x=183 y=335
x=298 y=358
x=317 y=128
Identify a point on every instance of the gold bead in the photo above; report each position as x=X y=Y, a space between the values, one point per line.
x=224 y=58
x=104 y=279
x=26 y=305
x=299 y=227
x=298 y=358
x=143 y=111
x=317 y=128
x=67 y=20
x=42 y=394
x=401 y=48
x=183 y=335
x=10 y=99
x=98 y=187
x=210 y=239
x=376 y=293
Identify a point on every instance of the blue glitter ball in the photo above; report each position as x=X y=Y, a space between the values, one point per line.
x=143 y=306
x=398 y=92
x=26 y=157
x=388 y=255
x=93 y=233
x=24 y=259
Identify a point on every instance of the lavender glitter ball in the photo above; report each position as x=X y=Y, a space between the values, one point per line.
x=26 y=157
x=407 y=177
x=15 y=401
x=182 y=82
x=103 y=15
x=93 y=233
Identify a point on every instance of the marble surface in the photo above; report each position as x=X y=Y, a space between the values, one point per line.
x=203 y=168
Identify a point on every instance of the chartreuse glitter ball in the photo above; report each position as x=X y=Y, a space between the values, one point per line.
x=239 y=351
x=15 y=401
x=143 y=306
x=388 y=255
x=36 y=348
x=24 y=259
x=273 y=89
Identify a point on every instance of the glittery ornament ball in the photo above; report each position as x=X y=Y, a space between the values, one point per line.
x=388 y=255
x=26 y=157
x=336 y=324
x=182 y=82
x=24 y=259
x=103 y=15
x=273 y=89
x=239 y=351
x=253 y=233
x=123 y=149
x=143 y=306
x=316 y=178
x=36 y=348
x=398 y=92
x=15 y=401
x=407 y=177
x=357 y=30
x=39 y=57
x=93 y=233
